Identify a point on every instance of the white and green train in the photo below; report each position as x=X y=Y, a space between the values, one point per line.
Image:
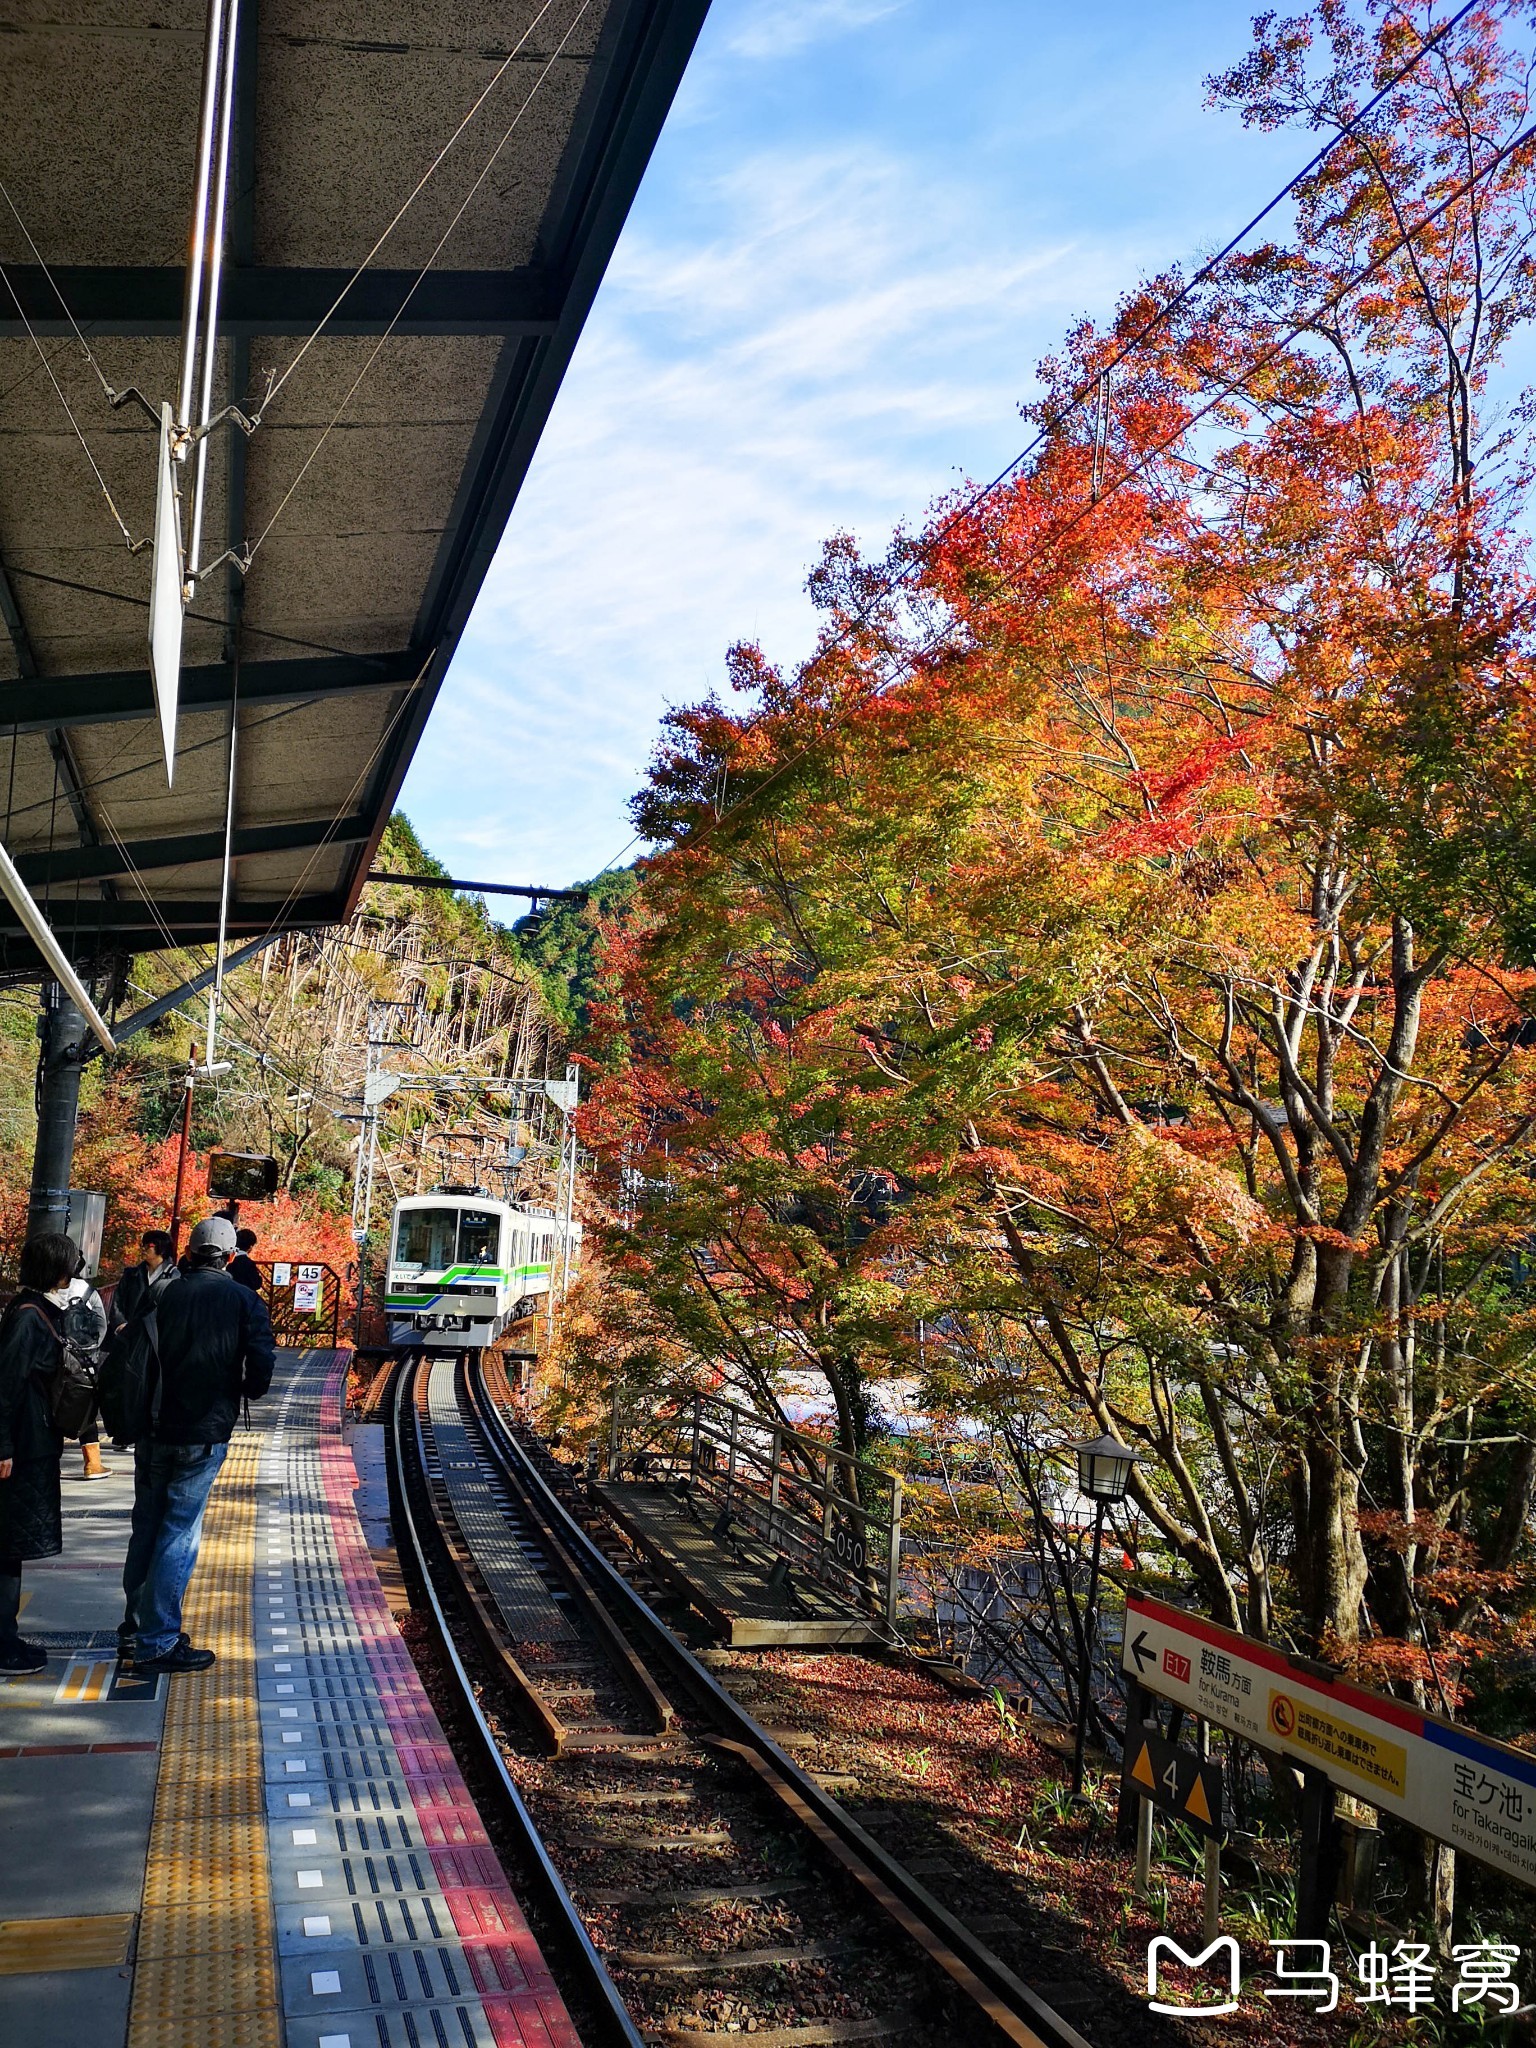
x=463 y=1267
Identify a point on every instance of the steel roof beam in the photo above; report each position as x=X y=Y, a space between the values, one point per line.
x=43 y=703
x=41 y=869
x=268 y=299
x=186 y=918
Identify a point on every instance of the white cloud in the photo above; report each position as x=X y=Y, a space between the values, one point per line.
x=846 y=330
x=783 y=28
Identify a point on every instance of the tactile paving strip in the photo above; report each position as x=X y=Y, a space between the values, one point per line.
x=510 y=1563
x=394 y=1922
x=206 y=1967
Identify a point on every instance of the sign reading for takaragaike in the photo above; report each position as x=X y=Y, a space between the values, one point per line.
x=1465 y=1789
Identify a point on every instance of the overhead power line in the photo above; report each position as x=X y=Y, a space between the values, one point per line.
x=1090 y=388
x=1228 y=390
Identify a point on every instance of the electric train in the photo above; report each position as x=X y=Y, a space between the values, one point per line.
x=463 y=1266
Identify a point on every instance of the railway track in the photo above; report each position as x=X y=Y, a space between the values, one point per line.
x=707 y=1885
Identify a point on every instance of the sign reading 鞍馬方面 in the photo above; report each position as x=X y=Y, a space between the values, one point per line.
x=1462 y=1788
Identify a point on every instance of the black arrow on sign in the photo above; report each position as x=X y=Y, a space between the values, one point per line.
x=1141 y=1653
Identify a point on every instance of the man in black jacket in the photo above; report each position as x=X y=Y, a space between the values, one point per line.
x=138 y=1282
x=215 y=1348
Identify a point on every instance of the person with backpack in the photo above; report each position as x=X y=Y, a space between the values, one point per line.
x=210 y=1346
x=31 y=1438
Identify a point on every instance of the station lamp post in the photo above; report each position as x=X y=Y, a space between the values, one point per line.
x=1103 y=1473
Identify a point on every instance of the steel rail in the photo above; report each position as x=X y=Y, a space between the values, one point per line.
x=593 y=1974
x=1018 y=2012
x=648 y=1696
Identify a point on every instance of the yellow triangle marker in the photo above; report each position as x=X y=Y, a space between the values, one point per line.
x=1196 y=1803
x=1141 y=1770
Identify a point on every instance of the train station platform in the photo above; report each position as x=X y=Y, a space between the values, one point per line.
x=278 y=1852
x=730 y=1578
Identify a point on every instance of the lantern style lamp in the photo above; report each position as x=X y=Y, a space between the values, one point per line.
x=1104 y=1466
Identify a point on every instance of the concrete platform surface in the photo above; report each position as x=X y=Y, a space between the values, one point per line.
x=183 y=1857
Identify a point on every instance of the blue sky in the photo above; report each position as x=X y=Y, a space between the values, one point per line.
x=865 y=222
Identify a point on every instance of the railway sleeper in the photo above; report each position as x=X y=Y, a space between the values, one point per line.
x=697 y=1961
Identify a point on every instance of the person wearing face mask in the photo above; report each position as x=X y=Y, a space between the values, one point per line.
x=31 y=1510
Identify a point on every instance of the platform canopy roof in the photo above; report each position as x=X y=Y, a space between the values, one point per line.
x=375 y=511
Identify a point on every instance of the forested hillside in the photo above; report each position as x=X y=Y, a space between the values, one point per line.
x=445 y=986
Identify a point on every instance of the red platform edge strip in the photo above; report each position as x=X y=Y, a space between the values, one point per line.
x=522 y=2004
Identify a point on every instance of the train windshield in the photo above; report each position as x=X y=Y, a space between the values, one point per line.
x=425 y=1239
x=479 y=1237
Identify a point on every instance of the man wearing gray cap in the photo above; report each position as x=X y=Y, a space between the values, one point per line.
x=214 y=1347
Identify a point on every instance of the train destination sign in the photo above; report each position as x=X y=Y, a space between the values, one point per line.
x=1464 y=1789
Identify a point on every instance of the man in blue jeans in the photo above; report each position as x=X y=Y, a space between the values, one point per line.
x=215 y=1349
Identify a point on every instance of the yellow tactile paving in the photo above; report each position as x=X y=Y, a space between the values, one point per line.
x=207 y=1938
x=99 y=1943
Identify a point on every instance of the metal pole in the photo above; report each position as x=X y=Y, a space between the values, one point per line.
x=1212 y=1857
x=1143 y=1847
x=1085 y=1682
x=216 y=992
x=215 y=261
x=181 y=1150
x=198 y=250
x=61 y=1028
x=893 y=1556
x=40 y=932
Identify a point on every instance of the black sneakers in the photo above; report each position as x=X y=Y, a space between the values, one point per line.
x=182 y=1658
x=127 y=1637
x=20 y=1656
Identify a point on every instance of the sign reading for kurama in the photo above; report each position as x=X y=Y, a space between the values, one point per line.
x=1476 y=1794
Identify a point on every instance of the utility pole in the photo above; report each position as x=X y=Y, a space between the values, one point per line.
x=181 y=1149
x=61 y=1027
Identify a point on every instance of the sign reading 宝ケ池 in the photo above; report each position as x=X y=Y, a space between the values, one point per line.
x=1476 y=1794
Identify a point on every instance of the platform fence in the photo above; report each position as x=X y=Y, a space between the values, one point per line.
x=303 y=1298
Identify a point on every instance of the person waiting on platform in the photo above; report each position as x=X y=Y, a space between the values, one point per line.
x=242 y=1266
x=31 y=1443
x=156 y=1266
x=215 y=1349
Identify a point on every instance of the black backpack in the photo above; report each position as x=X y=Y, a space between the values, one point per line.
x=128 y=1384
x=71 y=1384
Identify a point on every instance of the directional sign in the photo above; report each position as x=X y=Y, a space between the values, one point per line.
x=1181 y=1783
x=1464 y=1789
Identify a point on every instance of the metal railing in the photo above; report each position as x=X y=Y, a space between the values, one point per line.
x=835 y=1518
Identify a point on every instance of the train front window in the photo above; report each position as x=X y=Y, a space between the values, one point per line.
x=479 y=1237
x=424 y=1239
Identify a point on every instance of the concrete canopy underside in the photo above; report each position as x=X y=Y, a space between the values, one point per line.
x=377 y=509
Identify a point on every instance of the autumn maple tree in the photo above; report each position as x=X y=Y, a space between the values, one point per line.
x=1119 y=933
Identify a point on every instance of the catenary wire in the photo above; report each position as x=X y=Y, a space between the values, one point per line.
x=908 y=663
x=399 y=313
x=113 y=397
x=978 y=496
x=134 y=546
x=405 y=206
